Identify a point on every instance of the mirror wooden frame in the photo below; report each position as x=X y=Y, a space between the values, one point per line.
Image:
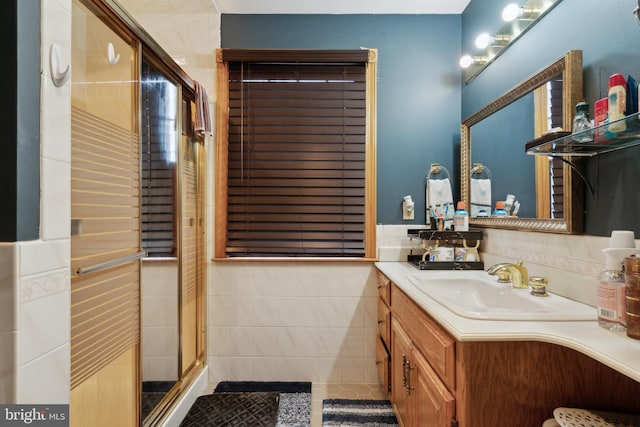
x=570 y=67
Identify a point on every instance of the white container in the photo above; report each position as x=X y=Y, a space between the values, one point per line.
x=611 y=282
x=442 y=254
x=617 y=102
x=461 y=218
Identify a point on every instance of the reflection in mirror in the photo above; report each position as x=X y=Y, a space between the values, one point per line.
x=159 y=275
x=497 y=145
x=518 y=20
x=548 y=196
x=480 y=191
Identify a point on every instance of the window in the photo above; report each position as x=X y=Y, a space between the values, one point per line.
x=296 y=154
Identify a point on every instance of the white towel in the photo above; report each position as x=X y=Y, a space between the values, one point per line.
x=440 y=200
x=480 y=196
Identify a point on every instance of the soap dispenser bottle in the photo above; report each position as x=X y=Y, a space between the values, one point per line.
x=611 y=282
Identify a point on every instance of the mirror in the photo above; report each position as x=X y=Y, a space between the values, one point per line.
x=518 y=20
x=548 y=191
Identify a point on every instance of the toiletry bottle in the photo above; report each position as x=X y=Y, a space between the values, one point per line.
x=499 y=211
x=461 y=217
x=600 y=117
x=582 y=123
x=611 y=282
x=617 y=102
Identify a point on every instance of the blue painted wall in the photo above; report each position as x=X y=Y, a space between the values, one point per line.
x=609 y=37
x=419 y=86
x=419 y=114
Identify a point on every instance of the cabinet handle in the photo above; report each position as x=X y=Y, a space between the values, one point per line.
x=407 y=373
x=380 y=321
x=404 y=370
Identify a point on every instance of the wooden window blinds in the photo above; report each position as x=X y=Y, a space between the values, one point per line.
x=556 y=169
x=158 y=162
x=297 y=141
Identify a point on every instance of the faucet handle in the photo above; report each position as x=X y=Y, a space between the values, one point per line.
x=538 y=286
x=504 y=276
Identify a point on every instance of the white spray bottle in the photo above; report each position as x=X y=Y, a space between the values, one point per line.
x=611 y=286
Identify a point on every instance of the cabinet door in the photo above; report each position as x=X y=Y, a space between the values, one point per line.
x=382 y=363
x=384 y=322
x=384 y=287
x=435 y=406
x=400 y=354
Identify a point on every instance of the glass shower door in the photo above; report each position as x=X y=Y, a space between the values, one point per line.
x=105 y=212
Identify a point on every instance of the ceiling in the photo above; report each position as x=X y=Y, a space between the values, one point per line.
x=340 y=7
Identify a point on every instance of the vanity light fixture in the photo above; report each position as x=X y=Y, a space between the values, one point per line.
x=467 y=60
x=485 y=40
x=520 y=16
x=512 y=12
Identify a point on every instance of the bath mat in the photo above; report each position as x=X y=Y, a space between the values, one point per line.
x=258 y=409
x=357 y=413
x=294 y=409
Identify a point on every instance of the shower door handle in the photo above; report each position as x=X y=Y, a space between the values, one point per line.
x=109 y=264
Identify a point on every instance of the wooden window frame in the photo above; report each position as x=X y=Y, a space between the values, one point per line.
x=222 y=148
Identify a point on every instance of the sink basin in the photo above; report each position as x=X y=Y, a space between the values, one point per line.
x=477 y=295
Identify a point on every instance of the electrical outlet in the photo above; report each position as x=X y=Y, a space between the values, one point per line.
x=407 y=214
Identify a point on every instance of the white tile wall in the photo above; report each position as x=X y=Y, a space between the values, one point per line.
x=45 y=380
x=8 y=287
x=570 y=263
x=160 y=343
x=41 y=346
x=8 y=321
x=46 y=319
x=8 y=366
x=299 y=321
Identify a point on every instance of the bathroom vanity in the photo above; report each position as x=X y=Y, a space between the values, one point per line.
x=443 y=369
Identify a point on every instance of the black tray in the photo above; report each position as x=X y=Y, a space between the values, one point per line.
x=444 y=265
x=472 y=234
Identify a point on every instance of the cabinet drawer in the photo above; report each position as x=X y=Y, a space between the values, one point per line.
x=384 y=322
x=384 y=287
x=382 y=364
x=437 y=346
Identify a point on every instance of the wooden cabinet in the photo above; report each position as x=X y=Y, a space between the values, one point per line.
x=437 y=381
x=419 y=397
x=383 y=343
x=418 y=393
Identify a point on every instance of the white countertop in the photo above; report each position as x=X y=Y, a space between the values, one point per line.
x=613 y=349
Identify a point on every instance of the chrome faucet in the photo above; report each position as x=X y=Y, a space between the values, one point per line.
x=519 y=273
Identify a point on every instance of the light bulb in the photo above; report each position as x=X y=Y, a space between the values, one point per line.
x=511 y=12
x=483 y=41
x=466 y=61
